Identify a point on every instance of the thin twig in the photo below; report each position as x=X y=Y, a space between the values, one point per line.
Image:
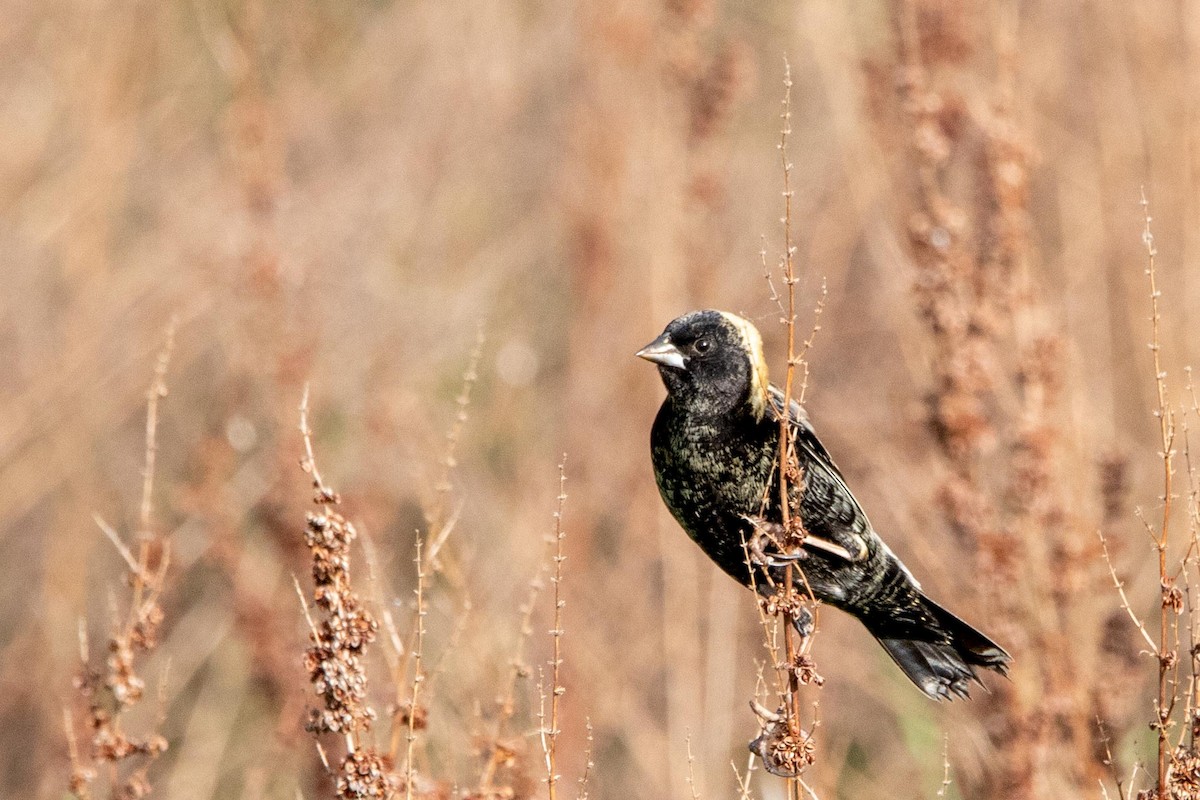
x=439 y=519
x=812 y=337
x=811 y=792
x=312 y=626
x=133 y=635
x=691 y=763
x=309 y=462
x=1120 y=587
x=114 y=537
x=786 y=445
x=743 y=780
x=418 y=675
x=941 y=792
x=587 y=762
x=775 y=298
x=517 y=670
x=1167 y=658
x=324 y=758
x=392 y=655
x=157 y=390
x=81 y=775
x=549 y=736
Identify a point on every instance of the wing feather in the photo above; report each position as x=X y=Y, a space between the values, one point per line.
x=806 y=437
x=816 y=459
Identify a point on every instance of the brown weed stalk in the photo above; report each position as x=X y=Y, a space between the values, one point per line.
x=340 y=635
x=1177 y=763
x=503 y=776
x=411 y=677
x=993 y=405
x=108 y=694
x=440 y=519
x=549 y=730
x=785 y=747
x=961 y=312
x=1177 y=767
x=504 y=752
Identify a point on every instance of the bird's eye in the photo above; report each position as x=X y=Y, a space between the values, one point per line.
x=702 y=345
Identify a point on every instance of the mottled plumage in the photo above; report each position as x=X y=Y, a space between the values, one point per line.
x=715 y=449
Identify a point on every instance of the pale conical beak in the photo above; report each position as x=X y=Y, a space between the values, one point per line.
x=661 y=351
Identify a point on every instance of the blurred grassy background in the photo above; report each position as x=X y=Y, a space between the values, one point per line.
x=343 y=193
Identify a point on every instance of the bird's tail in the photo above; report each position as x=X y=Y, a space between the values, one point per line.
x=935 y=649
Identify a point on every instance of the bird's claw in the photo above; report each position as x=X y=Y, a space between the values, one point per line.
x=768 y=535
x=771 y=533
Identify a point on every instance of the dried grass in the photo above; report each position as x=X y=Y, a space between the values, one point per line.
x=341 y=194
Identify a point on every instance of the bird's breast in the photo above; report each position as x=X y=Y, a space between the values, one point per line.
x=711 y=478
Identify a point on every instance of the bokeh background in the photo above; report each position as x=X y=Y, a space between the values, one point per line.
x=346 y=194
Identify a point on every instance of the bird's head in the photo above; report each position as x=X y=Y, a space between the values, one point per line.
x=712 y=360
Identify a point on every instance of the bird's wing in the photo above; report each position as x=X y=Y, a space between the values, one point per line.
x=849 y=537
x=806 y=437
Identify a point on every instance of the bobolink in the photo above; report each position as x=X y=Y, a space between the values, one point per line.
x=715 y=449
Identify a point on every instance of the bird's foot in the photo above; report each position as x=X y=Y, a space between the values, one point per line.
x=766 y=545
x=787 y=549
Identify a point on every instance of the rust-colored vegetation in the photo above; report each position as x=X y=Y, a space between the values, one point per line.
x=455 y=222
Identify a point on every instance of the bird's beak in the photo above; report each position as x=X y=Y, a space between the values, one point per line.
x=661 y=351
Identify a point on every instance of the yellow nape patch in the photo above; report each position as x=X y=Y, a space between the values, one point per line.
x=758 y=361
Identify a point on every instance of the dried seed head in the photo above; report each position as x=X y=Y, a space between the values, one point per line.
x=365 y=774
x=335 y=669
x=786 y=750
x=1184 y=782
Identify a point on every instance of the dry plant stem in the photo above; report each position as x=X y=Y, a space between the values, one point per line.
x=775 y=298
x=812 y=794
x=517 y=670
x=462 y=620
x=790 y=322
x=1189 y=731
x=397 y=650
x=766 y=621
x=1167 y=655
x=1120 y=587
x=157 y=390
x=440 y=521
x=312 y=626
x=785 y=433
x=146 y=539
x=126 y=555
x=992 y=405
x=1106 y=740
x=743 y=780
x=587 y=762
x=691 y=772
x=340 y=636
x=109 y=744
x=418 y=674
x=941 y=792
x=812 y=337
x=309 y=464
x=549 y=735
x=79 y=783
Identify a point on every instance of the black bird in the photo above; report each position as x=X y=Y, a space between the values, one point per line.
x=715 y=448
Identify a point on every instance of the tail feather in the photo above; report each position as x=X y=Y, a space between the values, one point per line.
x=936 y=669
x=977 y=649
x=941 y=653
